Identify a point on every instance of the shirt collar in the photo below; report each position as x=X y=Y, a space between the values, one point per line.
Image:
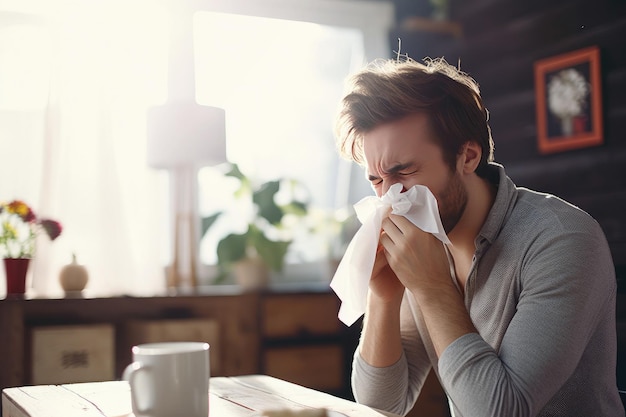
x=506 y=194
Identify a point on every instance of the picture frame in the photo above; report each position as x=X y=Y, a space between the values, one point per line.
x=569 y=101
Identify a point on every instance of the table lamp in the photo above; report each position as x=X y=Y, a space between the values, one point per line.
x=184 y=136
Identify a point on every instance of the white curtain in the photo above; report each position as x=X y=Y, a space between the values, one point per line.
x=107 y=64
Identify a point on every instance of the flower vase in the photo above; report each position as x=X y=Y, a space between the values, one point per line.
x=251 y=273
x=15 y=270
x=567 y=125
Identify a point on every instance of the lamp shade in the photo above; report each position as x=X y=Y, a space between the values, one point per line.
x=185 y=134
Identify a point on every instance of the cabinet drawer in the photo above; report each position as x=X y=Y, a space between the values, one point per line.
x=71 y=354
x=318 y=367
x=300 y=315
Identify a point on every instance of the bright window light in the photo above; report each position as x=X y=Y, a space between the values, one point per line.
x=280 y=82
x=25 y=74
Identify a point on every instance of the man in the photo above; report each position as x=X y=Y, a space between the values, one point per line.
x=517 y=314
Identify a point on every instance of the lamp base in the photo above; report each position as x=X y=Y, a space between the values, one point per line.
x=177 y=277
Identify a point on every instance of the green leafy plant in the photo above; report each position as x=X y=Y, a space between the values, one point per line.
x=266 y=220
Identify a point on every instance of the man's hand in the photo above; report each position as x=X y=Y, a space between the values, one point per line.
x=384 y=284
x=417 y=258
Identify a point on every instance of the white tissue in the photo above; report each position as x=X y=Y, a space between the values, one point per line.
x=351 y=281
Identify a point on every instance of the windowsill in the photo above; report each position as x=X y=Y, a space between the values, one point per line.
x=200 y=291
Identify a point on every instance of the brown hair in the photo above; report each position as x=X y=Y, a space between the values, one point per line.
x=388 y=90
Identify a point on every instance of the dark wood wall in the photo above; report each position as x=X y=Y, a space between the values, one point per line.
x=500 y=41
x=499 y=44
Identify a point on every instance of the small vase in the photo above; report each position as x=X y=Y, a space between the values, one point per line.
x=567 y=125
x=251 y=273
x=16 y=269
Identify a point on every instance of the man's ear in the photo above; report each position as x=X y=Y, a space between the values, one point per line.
x=469 y=158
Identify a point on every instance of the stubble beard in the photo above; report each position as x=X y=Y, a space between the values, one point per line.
x=452 y=202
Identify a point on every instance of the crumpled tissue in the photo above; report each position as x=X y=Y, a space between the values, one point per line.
x=351 y=280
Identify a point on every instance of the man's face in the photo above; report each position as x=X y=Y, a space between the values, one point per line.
x=405 y=152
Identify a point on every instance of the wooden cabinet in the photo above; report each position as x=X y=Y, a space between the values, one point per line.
x=293 y=334
x=304 y=342
x=299 y=315
x=320 y=367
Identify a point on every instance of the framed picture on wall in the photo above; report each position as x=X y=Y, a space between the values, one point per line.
x=569 y=101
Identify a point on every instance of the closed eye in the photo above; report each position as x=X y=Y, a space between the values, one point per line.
x=375 y=180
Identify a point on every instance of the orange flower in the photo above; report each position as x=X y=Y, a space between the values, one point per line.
x=21 y=209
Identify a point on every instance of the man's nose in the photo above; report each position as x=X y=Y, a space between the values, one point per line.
x=387 y=184
x=385 y=187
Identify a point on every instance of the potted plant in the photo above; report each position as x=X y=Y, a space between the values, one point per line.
x=261 y=247
x=19 y=228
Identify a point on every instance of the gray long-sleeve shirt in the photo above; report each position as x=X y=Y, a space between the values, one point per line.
x=541 y=293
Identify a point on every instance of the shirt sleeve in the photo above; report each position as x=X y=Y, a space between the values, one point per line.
x=567 y=285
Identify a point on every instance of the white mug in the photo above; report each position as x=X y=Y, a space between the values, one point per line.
x=169 y=379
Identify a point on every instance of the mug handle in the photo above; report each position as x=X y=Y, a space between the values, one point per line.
x=130 y=373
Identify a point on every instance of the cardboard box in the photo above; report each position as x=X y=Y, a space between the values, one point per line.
x=178 y=330
x=68 y=354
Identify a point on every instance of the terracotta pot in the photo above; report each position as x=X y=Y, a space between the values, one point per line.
x=16 y=269
x=251 y=273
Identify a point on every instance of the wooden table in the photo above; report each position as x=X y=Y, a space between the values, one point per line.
x=229 y=397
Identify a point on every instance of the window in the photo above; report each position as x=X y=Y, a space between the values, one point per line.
x=279 y=82
x=77 y=79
